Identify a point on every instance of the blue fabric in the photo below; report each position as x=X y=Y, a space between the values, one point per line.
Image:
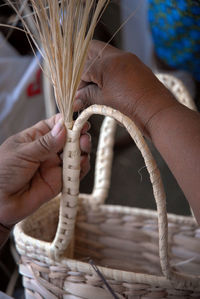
x=175 y=26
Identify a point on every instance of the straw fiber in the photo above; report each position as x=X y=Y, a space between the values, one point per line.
x=139 y=252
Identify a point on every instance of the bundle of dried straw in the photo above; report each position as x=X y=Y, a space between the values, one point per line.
x=64 y=28
x=62 y=32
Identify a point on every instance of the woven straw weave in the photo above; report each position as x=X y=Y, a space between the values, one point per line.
x=140 y=253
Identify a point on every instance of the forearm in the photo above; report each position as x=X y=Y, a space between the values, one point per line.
x=176 y=134
x=120 y=80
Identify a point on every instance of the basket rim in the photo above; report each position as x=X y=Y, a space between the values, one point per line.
x=120 y=275
x=133 y=211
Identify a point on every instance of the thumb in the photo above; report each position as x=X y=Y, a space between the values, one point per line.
x=86 y=96
x=48 y=144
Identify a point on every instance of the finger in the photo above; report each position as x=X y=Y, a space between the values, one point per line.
x=87 y=96
x=82 y=84
x=92 y=72
x=92 y=67
x=39 y=194
x=39 y=129
x=78 y=105
x=85 y=146
x=99 y=48
x=85 y=143
x=85 y=166
x=46 y=145
x=86 y=128
x=51 y=122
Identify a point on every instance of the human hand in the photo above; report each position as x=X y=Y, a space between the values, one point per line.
x=31 y=168
x=120 y=80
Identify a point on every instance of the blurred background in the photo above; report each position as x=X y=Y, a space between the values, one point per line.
x=25 y=99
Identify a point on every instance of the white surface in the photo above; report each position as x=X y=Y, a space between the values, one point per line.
x=4 y=296
x=19 y=108
x=136 y=34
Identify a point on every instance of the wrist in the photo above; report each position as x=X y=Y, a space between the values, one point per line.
x=150 y=109
x=154 y=125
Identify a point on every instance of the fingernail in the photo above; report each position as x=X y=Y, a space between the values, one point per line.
x=90 y=137
x=57 y=128
x=89 y=125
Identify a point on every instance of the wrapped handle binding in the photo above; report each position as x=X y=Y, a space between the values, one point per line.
x=63 y=241
x=104 y=154
x=69 y=196
x=103 y=170
x=103 y=165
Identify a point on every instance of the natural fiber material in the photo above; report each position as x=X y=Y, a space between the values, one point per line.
x=125 y=240
x=64 y=29
x=178 y=89
x=129 y=245
x=61 y=32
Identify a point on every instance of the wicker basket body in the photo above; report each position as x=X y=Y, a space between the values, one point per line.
x=123 y=242
x=140 y=253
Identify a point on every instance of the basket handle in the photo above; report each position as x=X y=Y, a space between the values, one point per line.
x=103 y=163
x=104 y=154
x=71 y=164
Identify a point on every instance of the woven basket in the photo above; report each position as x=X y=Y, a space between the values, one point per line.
x=140 y=253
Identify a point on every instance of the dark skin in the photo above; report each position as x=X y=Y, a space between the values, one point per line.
x=120 y=80
x=31 y=168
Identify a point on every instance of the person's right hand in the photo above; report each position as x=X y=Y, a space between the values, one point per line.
x=120 y=80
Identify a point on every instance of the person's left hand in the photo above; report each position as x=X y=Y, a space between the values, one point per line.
x=31 y=168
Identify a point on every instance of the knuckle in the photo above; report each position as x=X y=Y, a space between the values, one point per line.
x=45 y=143
x=90 y=91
